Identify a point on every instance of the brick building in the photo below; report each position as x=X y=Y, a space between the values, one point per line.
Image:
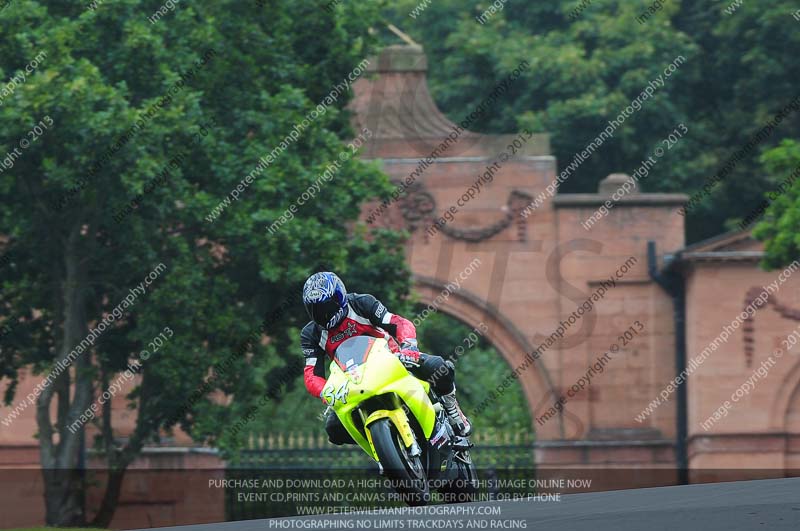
x=555 y=296
x=539 y=265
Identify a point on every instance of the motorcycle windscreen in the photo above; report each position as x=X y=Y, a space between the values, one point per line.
x=353 y=352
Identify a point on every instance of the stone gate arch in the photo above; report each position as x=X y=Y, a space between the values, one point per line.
x=465 y=196
x=537 y=384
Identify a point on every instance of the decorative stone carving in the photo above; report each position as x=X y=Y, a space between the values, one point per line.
x=418 y=208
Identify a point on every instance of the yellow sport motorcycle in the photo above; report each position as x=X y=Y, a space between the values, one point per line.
x=398 y=420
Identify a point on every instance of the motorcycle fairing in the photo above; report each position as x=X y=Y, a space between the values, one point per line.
x=380 y=374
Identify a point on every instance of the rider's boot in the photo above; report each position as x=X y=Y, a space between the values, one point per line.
x=458 y=420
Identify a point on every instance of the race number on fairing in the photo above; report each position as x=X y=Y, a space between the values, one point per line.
x=341 y=394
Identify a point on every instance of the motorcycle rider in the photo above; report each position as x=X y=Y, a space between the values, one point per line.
x=336 y=316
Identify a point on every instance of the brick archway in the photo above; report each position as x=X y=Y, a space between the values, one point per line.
x=467 y=198
x=536 y=381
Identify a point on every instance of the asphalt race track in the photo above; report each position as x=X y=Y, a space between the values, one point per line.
x=765 y=504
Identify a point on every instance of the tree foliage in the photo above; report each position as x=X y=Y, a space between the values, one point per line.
x=781 y=224
x=739 y=70
x=221 y=84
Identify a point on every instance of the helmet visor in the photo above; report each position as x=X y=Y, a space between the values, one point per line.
x=323 y=312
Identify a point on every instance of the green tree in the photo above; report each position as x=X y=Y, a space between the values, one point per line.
x=780 y=227
x=190 y=102
x=583 y=73
x=739 y=70
x=748 y=67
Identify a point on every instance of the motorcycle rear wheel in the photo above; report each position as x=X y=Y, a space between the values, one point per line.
x=405 y=473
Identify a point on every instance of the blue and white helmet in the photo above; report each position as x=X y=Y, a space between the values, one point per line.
x=325 y=299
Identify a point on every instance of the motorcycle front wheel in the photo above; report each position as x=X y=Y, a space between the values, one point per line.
x=465 y=487
x=405 y=472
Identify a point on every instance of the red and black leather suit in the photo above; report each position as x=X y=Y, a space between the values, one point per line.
x=366 y=316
